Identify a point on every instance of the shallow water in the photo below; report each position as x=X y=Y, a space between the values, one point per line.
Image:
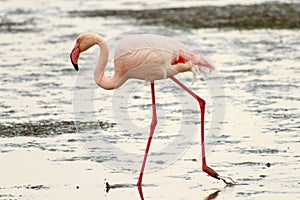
x=42 y=157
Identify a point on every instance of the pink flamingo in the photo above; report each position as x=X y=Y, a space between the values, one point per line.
x=147 y=57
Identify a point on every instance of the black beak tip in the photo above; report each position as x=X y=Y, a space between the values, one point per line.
x=75 y=66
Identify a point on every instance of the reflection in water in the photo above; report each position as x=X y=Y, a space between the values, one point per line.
x=108 y=187
x=212 y=195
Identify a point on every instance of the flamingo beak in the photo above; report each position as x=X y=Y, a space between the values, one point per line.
x=74 y=56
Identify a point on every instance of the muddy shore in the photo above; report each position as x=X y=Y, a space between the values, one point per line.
x=266 y=15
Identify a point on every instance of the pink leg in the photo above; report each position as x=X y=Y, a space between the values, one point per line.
x=201 y=102
x=152 y=127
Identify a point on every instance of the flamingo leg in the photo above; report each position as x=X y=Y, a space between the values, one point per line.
x=152 y=127
x=141 y=192
x=201 y=102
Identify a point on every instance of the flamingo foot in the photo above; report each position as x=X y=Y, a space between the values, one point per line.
x=229 y=181
x=210 y=172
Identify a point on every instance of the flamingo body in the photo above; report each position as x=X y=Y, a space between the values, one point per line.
x=147 y=57
x=152 y=57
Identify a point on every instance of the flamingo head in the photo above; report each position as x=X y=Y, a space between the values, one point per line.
x=83 y=42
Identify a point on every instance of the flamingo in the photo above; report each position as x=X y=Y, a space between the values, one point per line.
x=147 y=57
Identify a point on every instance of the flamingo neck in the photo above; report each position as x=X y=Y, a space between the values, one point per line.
x=107 y=83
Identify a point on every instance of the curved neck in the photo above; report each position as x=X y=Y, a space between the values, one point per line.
x=99 y=76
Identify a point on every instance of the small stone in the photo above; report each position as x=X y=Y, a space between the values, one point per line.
x=268 y=165
x=77 y=187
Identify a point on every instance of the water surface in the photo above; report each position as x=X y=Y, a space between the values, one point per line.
x=42 y=157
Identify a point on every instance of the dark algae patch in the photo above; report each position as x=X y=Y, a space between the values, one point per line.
x=49 y=128
x=266 y=15
x=43 y=128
